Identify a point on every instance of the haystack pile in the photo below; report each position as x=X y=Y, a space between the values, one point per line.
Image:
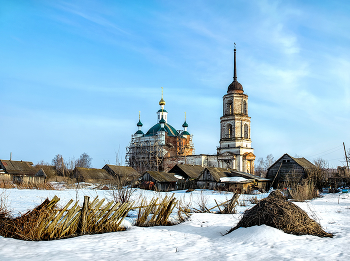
x=276 y=211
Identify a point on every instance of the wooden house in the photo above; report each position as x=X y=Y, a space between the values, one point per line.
x=232 y=180
x=160 y=181
x=20 y=172
x=92 y=175
x=124 y=174
x=288 y=170
x=190 y=174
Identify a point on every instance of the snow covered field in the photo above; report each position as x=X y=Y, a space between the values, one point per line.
x=200 y=238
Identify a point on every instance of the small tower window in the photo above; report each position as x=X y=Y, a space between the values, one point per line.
x=246 y=131
x=229 y=134
x=245 y=107
x=229 y=108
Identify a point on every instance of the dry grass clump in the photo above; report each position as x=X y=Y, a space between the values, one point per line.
x=304 y=191
x=276 y=211
x=48 y=222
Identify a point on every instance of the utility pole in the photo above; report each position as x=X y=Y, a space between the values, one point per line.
x=346 y=157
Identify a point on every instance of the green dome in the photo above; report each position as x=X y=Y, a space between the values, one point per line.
x=162 y=120
x=139 y=132
x=185 y=133
x=139 y=124
x=185 y=124
x=168 y=128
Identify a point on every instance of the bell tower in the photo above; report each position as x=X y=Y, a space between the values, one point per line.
x=235 y=149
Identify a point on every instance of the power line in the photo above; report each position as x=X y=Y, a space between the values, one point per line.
x=326 y=152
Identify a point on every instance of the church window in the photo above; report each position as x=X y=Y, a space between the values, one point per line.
x=246 y=131
x=229 y=128
x=245 y=107
x=229 y=109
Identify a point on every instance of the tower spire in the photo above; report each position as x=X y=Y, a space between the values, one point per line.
x=234 y=65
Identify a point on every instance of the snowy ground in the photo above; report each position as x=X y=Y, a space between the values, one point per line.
x=199 y=238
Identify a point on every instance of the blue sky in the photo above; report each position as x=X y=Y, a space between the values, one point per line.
x=75 y=74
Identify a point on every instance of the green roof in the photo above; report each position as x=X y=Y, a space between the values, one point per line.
x=185 y=124
x=185 y=133
x=139 y=132
x=168 y=128
x=162 y=110
x=162 y=120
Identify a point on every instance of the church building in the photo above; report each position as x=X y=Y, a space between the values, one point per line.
x=150 y=151
x=162 y=147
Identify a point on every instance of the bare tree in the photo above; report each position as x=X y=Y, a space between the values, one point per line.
x=84 y=161
x=263 y=165
x=58 y=162
x=318 y=174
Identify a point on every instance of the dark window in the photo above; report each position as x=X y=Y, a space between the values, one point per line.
x=246 y=131
x=245 y=107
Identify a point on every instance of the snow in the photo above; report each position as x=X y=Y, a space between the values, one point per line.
x=199 y=238
x=232 y=179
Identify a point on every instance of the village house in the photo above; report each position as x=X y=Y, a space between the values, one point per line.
x=20 y=172
x=288 y=170
x=232 y=180
x=189 y=174
x=160 y=181
x=93 y=175
x=125 y=175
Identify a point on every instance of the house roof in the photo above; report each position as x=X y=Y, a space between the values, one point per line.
x=121 y=170
x=88 y=173
x=162 y=176
x=302 y=162
x=219 y=173
x=192 y=171
x=18 y=167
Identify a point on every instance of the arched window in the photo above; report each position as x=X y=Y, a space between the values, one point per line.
x=245 y=107
x=229 y=131
x=246 y=131
x=229 y=108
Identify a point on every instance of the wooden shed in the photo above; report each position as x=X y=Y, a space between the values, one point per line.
x=160 y=181
x=287 y=170
x=92 y=175
x=124 y=174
